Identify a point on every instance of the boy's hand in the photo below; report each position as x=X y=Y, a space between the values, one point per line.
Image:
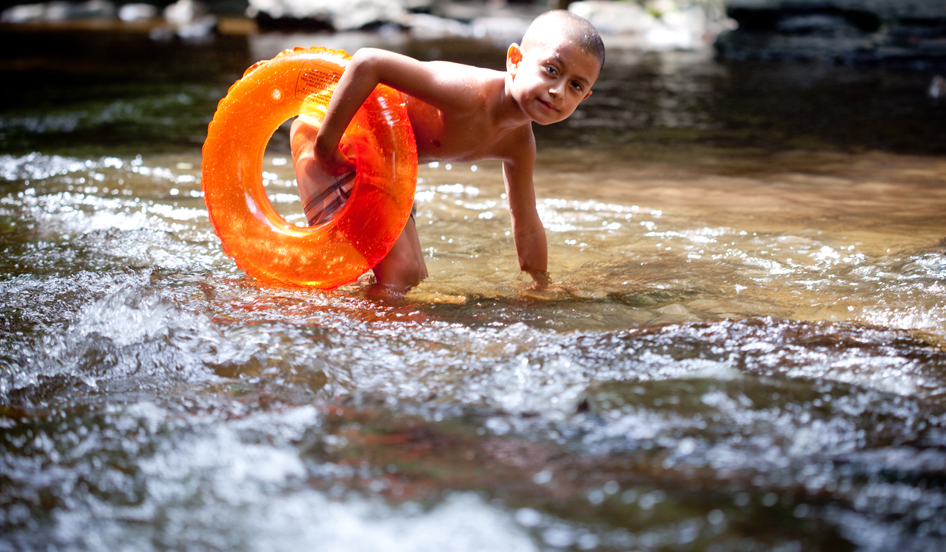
x=310 y=159
x=314 y=174
x=337 y=161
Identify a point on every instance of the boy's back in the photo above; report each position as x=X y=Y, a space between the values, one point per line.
x=462 y=113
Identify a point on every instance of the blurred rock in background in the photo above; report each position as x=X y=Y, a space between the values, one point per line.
x=655 y=24
x=633 y=24
x=911 y=32
x=59 y=11
x=905 y=32
x=137 y=12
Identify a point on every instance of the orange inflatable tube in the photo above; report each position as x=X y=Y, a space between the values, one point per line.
x=260 y=240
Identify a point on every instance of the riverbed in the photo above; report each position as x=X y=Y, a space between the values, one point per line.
x=743 y=347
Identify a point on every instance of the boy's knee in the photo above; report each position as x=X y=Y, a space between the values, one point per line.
x=400 y=269
x=403 y=267
x=413 y=273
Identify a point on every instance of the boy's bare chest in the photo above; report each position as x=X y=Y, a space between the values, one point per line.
x=459 y=137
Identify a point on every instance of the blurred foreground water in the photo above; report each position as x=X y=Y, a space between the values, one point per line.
x=744 y=349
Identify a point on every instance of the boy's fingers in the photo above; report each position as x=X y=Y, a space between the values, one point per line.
x=337 y=163
x=344 y=164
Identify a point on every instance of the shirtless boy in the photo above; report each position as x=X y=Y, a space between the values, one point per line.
x=461 y=113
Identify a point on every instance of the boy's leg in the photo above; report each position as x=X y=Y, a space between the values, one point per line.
x=302 y=140
x=322 y=195
x=403 y=267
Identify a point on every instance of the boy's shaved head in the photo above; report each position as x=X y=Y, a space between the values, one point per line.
x=553 y=26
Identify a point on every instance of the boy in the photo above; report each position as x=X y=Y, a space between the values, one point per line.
x=463 y=114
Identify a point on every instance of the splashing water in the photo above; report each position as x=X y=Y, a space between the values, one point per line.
x=744 y=353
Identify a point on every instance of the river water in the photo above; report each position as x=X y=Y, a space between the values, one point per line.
x=744 y=348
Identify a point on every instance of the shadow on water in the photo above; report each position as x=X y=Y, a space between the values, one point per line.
x=122 y=93
x=140 y=95
x=689 y=97
x=743 y=349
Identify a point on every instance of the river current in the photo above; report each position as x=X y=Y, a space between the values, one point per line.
x=743 y=349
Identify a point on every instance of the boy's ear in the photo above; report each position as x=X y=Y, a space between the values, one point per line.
x=513 y=57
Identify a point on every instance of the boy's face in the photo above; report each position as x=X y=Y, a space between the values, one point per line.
x=550 y=80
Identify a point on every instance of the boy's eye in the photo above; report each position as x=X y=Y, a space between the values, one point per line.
x=550 y=70
x=577 y=86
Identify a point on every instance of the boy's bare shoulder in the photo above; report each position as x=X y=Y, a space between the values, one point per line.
x=458 y=76
x=518 y=146
x=451 y=87
x=455 y=69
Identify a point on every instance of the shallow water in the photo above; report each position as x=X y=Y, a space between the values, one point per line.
x=743 y=350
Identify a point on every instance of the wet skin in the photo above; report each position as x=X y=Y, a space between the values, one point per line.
x=463 y=113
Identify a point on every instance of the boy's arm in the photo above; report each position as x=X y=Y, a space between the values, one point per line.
x=527 y=229
x=437 y=83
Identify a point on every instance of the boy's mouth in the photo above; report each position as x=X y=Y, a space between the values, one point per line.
x=548 y=105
